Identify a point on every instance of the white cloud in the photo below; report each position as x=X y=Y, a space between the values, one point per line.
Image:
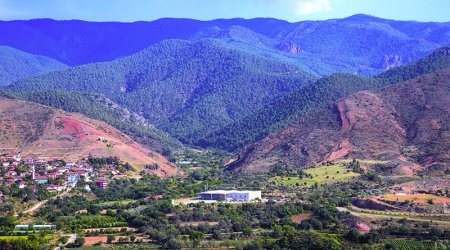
x=300 y=7
x=307 y=7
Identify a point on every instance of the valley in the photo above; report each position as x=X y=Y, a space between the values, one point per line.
x=225 y=134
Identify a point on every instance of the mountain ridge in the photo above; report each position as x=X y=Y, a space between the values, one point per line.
x=177 y=82
x=106 y=41
x=393 y=124
x=16 y=65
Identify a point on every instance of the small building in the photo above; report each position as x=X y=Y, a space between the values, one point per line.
x=34 y=227
x=101 y=184
x=230 y=195
x=22 y=184
x=41 y=179
x=57 y=188
x=73 y=178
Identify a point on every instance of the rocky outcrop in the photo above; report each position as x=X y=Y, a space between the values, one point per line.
x=290 y=47
x=390 y=61
x=410 y=115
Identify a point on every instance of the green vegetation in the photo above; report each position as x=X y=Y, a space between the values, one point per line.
x=186 y=88
x=320 y=175
x=31 y=242
x=402 y=244
x=16 y=65
x=284 y=110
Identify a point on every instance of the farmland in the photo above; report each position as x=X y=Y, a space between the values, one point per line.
x=416 y=198
x=320 y=175
x=416 y=244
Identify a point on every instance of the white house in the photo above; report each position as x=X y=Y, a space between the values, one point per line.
x=230 y=195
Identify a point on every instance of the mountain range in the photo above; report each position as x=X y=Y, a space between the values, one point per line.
x=234 y=84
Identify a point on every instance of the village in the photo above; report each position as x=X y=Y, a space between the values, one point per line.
x=57 y=175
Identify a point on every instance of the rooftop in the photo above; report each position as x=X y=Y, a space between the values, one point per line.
x=227 y=191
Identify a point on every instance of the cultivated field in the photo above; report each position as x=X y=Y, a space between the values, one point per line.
x=320 y=175
x=416 y=198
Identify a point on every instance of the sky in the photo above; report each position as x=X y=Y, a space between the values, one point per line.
x=290 y=10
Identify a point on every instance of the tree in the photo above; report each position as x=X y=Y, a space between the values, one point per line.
x=64 y=239
x=79 y=241
x=172 y=244
x=277 y=231
x=196 y=237
x=247 y=231
x=110 y=239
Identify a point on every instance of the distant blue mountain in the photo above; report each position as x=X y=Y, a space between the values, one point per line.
x=358 y=44
x=16 y=65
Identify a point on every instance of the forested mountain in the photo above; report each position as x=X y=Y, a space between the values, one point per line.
x=357 y=44
x=186 y=88
x=37 y=130
x=16 y=64
x=405 y=124
x=77 y=42
x=221 y=83
x=286 y=109
x=97 y=106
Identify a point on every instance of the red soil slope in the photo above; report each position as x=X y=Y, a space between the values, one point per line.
x=39 y=130
x=407 y=124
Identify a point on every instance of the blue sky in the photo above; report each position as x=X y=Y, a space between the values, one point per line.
x=290 y=10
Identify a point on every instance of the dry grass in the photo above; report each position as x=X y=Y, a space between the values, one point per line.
x=416 y=198
x=297 y=219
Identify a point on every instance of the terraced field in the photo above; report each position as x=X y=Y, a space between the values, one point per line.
x=403 y=244
x=416 y=198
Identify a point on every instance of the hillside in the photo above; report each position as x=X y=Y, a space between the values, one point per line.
x=16 y=65
x=406 y=123
x=34 y=129
x=284 y=110
x=357 y=44
x=188 y=89
x=99 y=107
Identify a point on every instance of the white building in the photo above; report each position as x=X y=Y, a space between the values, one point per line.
x=230 y=195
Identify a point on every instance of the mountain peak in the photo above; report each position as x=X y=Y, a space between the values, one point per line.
x=363 y=18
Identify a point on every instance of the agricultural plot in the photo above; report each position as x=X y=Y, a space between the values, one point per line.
x=416 y=198
x=320 y=175
x=403 y=244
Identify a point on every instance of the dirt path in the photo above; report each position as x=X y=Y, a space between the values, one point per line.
x=72 y=238
x=35 y=207
x=41 y=203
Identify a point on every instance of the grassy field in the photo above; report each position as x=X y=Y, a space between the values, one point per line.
x=47 y=238
x=321 y=175
x=13 y=237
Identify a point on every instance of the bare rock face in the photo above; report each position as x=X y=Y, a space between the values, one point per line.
x=413 y=115
x=391 y=61
x=290 y=47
